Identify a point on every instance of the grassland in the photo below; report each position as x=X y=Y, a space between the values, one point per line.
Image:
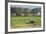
x=21 y=22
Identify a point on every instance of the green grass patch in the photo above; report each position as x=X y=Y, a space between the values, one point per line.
x=21 y=22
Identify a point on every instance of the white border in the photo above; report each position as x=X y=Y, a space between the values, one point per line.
x=24 y=29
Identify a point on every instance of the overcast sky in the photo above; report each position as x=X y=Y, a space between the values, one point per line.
x=25 y=6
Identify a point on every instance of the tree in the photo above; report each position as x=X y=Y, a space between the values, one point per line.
x=18 y=11
x=35 y=11
x=26 y=11
x=12 y=10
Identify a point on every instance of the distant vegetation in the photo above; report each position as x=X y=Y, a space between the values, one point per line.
x=18 y=11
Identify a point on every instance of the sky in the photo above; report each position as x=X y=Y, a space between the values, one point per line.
x=25 y=6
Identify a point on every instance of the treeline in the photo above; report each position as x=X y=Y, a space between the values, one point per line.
x=18 y=11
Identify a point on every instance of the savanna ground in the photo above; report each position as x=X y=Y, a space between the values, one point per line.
x=24 y=22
